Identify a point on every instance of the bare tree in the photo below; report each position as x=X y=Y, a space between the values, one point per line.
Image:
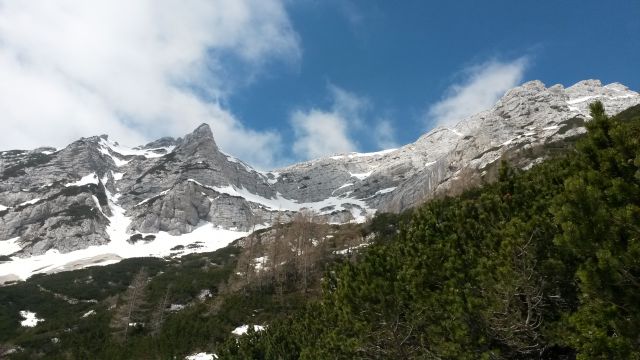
x=128 y=304
x=158 y=316
x=518 y=317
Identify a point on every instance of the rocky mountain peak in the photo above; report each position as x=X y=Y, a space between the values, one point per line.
x=199 y=141
x=203 y=131
x=163 y=142
x=96 y=192
x=529 y=89
x=589 y=85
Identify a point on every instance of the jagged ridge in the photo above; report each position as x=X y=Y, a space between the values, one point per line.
x=176 y=186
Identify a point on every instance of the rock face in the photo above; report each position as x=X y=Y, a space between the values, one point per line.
x=66 y=199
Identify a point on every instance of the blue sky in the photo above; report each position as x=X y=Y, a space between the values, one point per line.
x=283 y=81
x=403 y=56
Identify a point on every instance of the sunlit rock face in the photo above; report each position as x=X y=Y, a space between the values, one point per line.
x=70 y=199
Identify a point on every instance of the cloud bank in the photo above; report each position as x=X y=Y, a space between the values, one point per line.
x=325 y=132
x=136 y=70
x=481 y=87
x=321 y=133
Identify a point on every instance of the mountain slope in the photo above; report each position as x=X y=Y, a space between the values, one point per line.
x=95 y=202
x=541 y=264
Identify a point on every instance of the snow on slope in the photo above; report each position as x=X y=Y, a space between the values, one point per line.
x=204 y=238
x=89 y=179
x=8 y=247
x=243 y=329
x=202 y=356
x=281 y=203
x=358 y=155
x=30 y=319
x=107 y=147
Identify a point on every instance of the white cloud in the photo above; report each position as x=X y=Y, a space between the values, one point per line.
x=319 y=133
x=384 y=135
x=136 y=70
x=483 y=85
x=349 y=104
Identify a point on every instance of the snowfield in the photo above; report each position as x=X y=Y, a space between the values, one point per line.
x=280 y=203
x=204 y=238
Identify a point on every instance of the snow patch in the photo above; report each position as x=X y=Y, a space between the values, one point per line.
x=204 y=294
x=260 y=263
x=581 y=99
x=361 y=176
x=587 y=98
x=350 y=249
x=357 y=155
x=202 y=356
x=344 y=186
x=8 y=247
x=88 y=179
x=276 y=176
x=456 y=132
x=162 y=193
x=30 y=202
x=384 y=191
x=106 y=145
x=2 y=207
x=97 y=202
x=30 y=319
x=89 y=313
x=238 y=161
x=176 y=307
x=243 y=329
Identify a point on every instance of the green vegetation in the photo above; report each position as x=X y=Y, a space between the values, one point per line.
x=542 y=264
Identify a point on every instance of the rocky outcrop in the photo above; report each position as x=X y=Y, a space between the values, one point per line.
x=70 y=198
x=531 y=120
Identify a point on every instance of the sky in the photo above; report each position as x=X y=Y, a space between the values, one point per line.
x=282 y=81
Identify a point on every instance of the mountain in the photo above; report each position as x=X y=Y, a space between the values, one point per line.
x=96 y=202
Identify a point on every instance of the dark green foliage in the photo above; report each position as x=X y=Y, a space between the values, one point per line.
x=96 y=283
x=599 y=213
x=540 y=265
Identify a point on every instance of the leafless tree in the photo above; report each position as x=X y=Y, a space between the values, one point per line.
x=128 y=304
x=157 y=318
x=517 y=319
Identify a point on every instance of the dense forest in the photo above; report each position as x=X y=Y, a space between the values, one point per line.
x=541 y=264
